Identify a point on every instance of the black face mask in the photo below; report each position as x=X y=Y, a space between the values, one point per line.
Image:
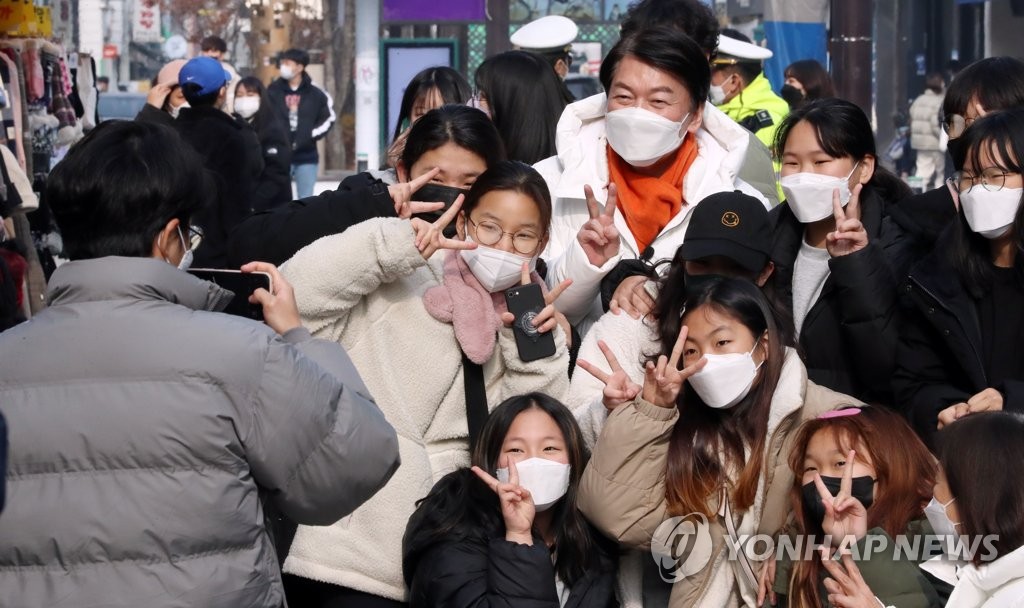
x=436 y=193
x=814 y=510
x=792 y=95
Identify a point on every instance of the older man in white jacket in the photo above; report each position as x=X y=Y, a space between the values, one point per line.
x=658 y=79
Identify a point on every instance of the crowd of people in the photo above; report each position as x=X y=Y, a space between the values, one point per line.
x=756 y=331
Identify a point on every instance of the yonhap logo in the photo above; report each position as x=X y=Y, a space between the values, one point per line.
x=681 y=546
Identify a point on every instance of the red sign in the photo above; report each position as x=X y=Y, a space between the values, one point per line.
x=110 y=51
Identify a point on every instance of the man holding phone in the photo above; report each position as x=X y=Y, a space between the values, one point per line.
x=150 y=427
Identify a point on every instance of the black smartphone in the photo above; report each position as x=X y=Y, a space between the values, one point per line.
x=242 y=284
x=526 y=302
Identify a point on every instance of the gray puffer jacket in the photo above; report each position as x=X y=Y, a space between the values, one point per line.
x=144 y=429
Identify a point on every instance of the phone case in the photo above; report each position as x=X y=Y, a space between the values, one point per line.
x=242 y=284
x=526 y=302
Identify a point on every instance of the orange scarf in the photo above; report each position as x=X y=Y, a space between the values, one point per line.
x=648 y=202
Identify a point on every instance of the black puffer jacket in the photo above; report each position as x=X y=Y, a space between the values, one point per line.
x=473 y=566
x=939 y=359
x=849 y=335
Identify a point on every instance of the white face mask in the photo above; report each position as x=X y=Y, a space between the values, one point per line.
x=547 y=480
x=287 y=72
x=809 y=195
x=641 y=137
x=717 y=94
x=175 y=110
x=496 y=270
x=725 y=379
x=991 y=214
x=942 y=526
x=186 y=258
x=247 y=106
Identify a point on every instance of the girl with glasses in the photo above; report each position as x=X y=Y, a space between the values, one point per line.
x=960 y=346
x=419 y=311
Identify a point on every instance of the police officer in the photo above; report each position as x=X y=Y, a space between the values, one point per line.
x=740 y=89
x=550 y=37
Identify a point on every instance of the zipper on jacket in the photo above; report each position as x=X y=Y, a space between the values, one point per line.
x=974 y=347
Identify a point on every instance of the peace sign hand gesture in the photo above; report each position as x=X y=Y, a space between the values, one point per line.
x=430 y=236
x=516 y=504
x=618 y=387
x=850 y=235
x=599 y=237
x=662 y=382
x=846 y=519
x=401 y=194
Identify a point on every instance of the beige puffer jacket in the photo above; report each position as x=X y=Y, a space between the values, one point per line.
x=623 y=488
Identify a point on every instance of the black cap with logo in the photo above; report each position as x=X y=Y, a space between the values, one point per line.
x=732 y=225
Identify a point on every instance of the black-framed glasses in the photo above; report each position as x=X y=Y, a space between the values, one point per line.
x=525 y=242
x=955 y=125
x=991 y=178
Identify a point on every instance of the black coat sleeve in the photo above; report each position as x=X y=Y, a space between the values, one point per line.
x=922 y=376
x=275 y=183
x=868 y=310
x=154 y=115
x=476 y=574
x=622 y=271
x=277 y=235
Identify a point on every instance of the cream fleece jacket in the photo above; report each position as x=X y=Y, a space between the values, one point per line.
x=364 y=288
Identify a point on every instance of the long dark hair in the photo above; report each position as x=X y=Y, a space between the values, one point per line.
x=450 y=85
x=1001 y=134
x=813 y=77
x=979 y=455
x=265 y=114
x=904 y=475
x=843 y=130
x=514 y=176
x=695 y=469
x=574 y=539
x=466 y=127
x=462 y=507
x=997 y=83
x=525 y=99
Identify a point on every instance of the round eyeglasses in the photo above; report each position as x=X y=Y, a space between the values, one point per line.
x=525 y=242
x=955 y=125
x=991 y=179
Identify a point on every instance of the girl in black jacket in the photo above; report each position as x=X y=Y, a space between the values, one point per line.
x=445 y=152
x=960 y=347
x=275 y=183
x=837 y=256
x=508 y=535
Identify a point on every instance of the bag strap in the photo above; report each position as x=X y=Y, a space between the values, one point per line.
x=476 y=399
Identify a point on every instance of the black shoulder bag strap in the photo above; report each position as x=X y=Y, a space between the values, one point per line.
x=476 y=399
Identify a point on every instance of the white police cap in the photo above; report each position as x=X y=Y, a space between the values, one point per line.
x=731 y=48
x=550 y=33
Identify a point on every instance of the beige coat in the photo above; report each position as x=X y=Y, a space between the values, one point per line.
x=364 y=288
x=623 y=488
